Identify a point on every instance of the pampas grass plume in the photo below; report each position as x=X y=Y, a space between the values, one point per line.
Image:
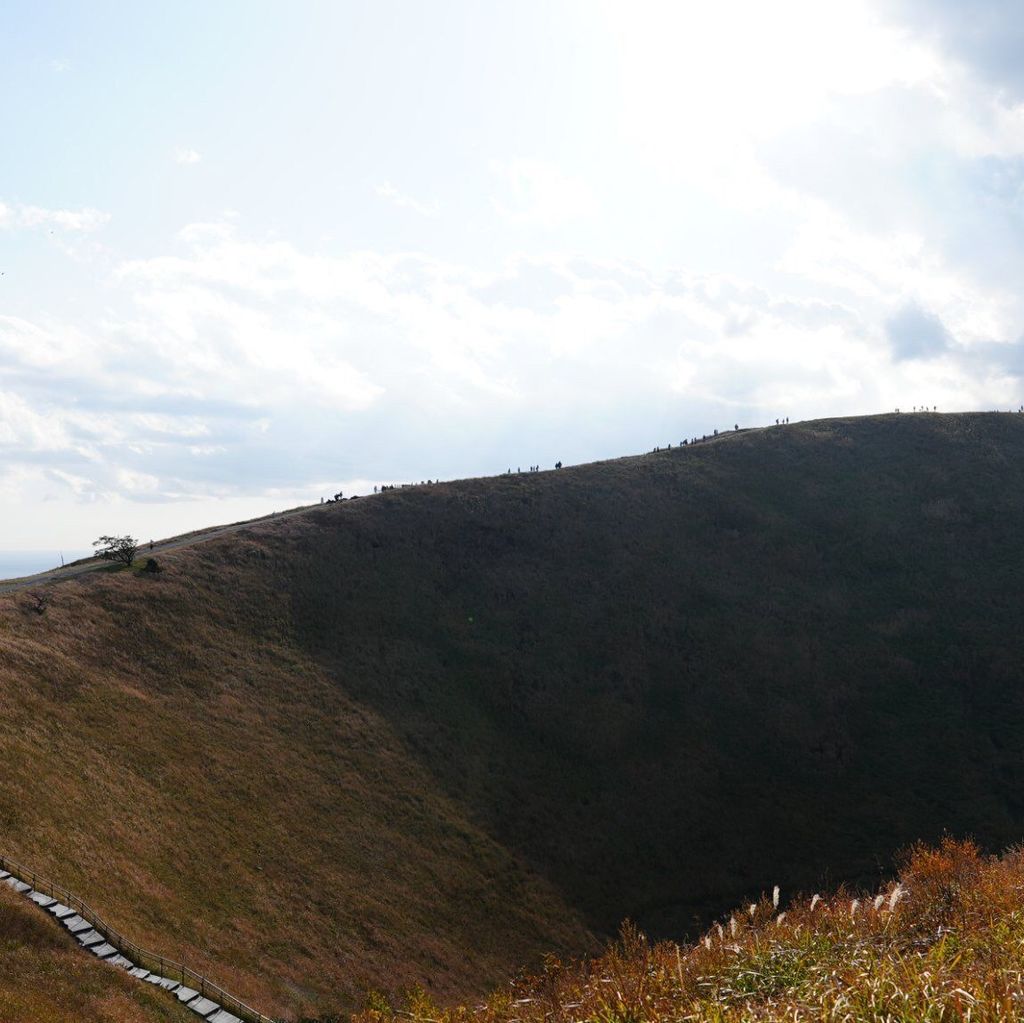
x=897 y=894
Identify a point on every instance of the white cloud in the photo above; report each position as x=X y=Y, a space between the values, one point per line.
x=27 y=216
x=132 y=484
x=24 y=428
x=699 y=80
x=985 y=35
x=233 y=348
x=425 y=209
x=185 y=155
x=539 y=193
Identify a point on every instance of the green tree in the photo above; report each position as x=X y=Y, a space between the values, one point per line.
x=121 y=549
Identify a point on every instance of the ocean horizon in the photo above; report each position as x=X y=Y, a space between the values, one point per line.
x=14 y=564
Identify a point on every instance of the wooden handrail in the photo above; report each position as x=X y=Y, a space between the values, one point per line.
x=160 y=965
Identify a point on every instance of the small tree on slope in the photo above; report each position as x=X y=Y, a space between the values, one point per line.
x=117 y=548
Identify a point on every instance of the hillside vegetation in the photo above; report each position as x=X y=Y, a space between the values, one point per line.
x=427 y=737
x=45 y=977
x=944 y=943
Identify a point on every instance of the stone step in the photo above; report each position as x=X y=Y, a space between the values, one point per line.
x=90 y=938
x=203 y=1006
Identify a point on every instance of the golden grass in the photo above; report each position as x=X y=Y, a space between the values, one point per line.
x=944 y=943
x=46 y=978
x=173 y=757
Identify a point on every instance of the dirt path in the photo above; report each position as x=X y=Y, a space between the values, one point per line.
x=87 y=565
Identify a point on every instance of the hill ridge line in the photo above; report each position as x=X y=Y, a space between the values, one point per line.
x=209 y=1000
x=91 y=564
x=94 y=563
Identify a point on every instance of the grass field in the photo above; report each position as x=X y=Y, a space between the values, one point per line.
x=425 y=738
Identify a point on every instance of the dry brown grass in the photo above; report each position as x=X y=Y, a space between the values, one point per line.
x=176 y=759
x=46 y=978
x=944 y=943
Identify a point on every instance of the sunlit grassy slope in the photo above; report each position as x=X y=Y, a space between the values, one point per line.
x=45 y=977
x=944 y=943
x=425 y=737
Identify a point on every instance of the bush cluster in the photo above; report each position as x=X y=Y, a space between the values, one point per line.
x=943 y=942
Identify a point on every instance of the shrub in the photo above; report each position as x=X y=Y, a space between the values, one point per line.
x=941 y=943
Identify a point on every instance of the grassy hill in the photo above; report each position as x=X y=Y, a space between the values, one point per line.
x=45 y=977
x=426 y=737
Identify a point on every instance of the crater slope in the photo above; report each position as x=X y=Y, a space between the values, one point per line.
x=427 y=736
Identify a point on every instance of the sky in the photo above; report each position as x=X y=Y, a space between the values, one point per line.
x=252 y=253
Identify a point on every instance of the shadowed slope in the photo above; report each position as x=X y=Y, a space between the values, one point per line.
x=426 y=736
x=668 y=680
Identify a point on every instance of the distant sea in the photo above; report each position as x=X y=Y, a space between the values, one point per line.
x=18 y=563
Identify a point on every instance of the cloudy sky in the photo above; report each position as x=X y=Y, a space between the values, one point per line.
x=254 y=252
